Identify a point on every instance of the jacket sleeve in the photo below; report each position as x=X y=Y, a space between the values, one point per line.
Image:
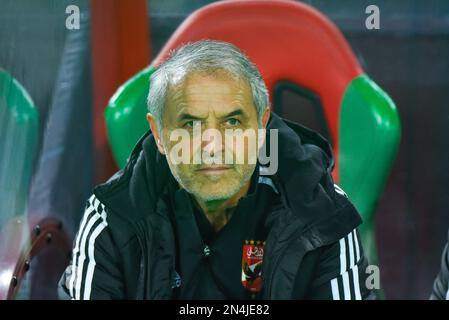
x=340 y=272
x=440 y=286
x=94 y=271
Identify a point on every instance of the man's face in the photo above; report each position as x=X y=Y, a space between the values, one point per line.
x=210 y=101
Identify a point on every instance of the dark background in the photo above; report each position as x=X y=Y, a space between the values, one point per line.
x=408 y=57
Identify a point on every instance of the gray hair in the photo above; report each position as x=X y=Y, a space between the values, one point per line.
x=204 y=56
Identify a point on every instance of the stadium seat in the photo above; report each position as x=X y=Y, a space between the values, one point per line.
x=289 y=41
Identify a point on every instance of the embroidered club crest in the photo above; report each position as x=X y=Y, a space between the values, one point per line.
x=252 y=259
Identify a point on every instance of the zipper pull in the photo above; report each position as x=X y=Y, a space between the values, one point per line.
x=206 y=251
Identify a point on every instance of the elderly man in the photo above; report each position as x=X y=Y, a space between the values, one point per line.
x=201 y=212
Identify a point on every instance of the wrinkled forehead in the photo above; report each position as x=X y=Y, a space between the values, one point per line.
x=180 y=79
x=219 y=83
x=209 y=95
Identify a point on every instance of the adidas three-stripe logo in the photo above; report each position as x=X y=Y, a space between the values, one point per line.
x=346 y=286
x=83 y=257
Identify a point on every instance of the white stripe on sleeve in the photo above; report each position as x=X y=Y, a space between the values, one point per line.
x=357 y=250
x=351 y=250
x=346 y=288
x=87 y=212
x=91 y=264
x=335 y=292
x=82 y=258
x=355 y=276
x=342 y=256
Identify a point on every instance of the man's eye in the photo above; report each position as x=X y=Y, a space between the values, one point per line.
x=191 y=124
x=232 y=122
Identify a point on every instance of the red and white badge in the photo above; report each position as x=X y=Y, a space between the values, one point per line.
x=252 y=259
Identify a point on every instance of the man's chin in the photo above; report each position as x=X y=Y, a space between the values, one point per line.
x=215 y=192
x=214 y=196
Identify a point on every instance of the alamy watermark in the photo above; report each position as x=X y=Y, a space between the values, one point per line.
x=373 y=279
x=238 y=146
x=373 y=20
x=72 y=22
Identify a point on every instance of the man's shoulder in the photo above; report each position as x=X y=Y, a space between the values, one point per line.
x=102 y=221
x=134 y=191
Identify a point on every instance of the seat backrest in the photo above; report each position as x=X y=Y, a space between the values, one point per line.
x=293 y=42
x=286 y=40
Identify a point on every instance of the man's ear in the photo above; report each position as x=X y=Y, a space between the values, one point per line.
x=266 y=117
x=154 y=129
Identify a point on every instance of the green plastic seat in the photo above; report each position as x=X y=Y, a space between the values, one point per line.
x=18 y=141
x=369 y=136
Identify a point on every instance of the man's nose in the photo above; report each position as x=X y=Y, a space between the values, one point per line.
x=212 y=141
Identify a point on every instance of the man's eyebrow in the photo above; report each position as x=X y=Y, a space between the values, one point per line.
x=187 y=116
x=237 y=112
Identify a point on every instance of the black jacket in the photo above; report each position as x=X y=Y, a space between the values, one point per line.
x=125 y=247
x=441 y=285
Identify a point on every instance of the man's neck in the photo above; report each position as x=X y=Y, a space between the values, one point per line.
x=219 y=212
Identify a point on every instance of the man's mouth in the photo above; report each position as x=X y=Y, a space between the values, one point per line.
x=214 y=169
